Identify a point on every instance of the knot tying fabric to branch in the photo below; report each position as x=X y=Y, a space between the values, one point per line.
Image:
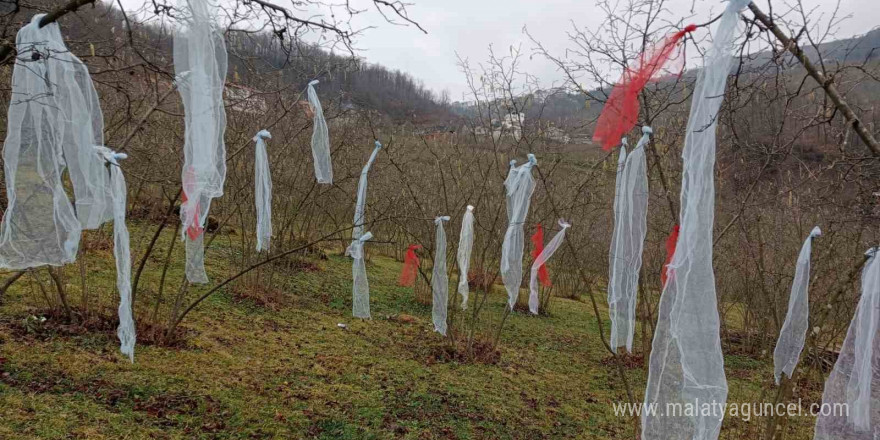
x=262 y=134
x=109 y=155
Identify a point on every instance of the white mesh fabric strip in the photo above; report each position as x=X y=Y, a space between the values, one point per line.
x=687 y=366
x=320 y=138
x=854 y=383
x=629 y=238
x=81 y=129
x=519 y=185
x=126 y=330
x=618 y=219
x=263 y=191
x=361 y=288
x=195 y=260
x=361 y=202
x=80 y=126
x=440 y=278
x=794 y=330
x=465 y=248
x=200 y=63
x=39 y=224
x=540 y=260
x=360 y=305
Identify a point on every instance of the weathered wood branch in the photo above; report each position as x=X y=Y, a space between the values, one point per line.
x=826 y=83
x=51 y=17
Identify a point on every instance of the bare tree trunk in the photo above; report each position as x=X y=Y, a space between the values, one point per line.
x=59 y=285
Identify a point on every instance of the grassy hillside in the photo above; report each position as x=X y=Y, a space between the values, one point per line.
x=287 y=370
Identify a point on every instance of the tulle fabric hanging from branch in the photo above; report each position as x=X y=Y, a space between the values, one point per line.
x=630 y=227
x=687 y=366
x=263 y=191
x=361 y=201
x=81 y=128
x=854 y=383
x=537 y=248
x=440 y=278
x=618 y=218
x=360 y=306
x=121 y=248
x=797 y=320
x=540 y=261
x=465 y=248
x=671 y=241
x=68 y=105
x=410 y=267
x=361 y=288
x=200 y=64
x=519 y=188
x=320 y=138
x=39 y=224
x=621 y=110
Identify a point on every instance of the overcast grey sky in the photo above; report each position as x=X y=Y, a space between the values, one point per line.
x=468 y=27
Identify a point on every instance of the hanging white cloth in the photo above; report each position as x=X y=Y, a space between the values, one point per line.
x=519 y=188
x=686 y=365
x=126 y=332
x=263 y=191
x=80 y=124
x=854 y=383
x=80 y=128
x=361 y=289
x=360 y=306
x=542 y=258
x=361 y=203
x=630 y=228
x=320 y=138
x=510 y=177
x=797 y=320
x=52 y=112
x=439 y=278
x=618 y=217
x=465 y=248
x=200 y=63
x=195 y=259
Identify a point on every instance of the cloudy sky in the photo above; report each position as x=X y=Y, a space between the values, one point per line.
x=468 y=27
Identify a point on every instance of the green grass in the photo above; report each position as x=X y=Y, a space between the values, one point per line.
x=288 y=371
